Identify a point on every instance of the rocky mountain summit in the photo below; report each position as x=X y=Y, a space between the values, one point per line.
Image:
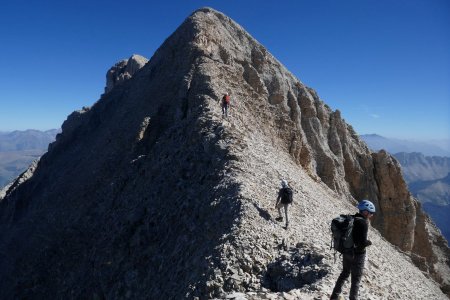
x=152 y=194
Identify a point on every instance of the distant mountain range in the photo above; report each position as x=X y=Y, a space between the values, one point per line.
x=19 y=148
x=418 y=167
x=428 y=148
x=428 y=180
x=26 y=140
x=428 y=177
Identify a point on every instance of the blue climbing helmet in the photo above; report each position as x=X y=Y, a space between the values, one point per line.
x=284 y=183
x=366 y=205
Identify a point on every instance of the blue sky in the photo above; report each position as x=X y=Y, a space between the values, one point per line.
x=384 y=64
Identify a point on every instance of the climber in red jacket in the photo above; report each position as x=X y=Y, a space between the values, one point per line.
x=225 y=104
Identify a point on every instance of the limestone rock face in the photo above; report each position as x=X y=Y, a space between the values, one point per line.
x=123 y=70
x=397 y=217
x=152 y=193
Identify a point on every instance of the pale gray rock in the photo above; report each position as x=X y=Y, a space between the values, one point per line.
x=27 y=174
x=123 y=70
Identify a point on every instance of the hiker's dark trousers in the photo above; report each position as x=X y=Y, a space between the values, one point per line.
x=354 y=265
x=285 y=205
x=225 y=109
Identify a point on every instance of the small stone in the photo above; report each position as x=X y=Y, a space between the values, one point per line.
x=287 y=296
x=236 y=277
x=236 y=296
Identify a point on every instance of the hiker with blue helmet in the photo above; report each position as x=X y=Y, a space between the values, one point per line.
x=283 y=200
x=353 y=260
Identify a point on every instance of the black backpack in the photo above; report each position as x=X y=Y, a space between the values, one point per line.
x=341 y=233
x=286 y=195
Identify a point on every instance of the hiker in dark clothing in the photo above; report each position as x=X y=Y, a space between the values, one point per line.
x=353 y=261
x=283 y=200
x=225 y=104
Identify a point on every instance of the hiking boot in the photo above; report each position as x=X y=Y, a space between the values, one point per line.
x=279 y=219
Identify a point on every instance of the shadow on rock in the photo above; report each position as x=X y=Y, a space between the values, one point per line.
x=297 y=268
x=262 y=212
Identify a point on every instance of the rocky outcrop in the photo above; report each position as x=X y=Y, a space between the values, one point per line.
x=123 y=70
x=19 y=180
x=151 y=193
x=396 y=219
x=403 y=222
